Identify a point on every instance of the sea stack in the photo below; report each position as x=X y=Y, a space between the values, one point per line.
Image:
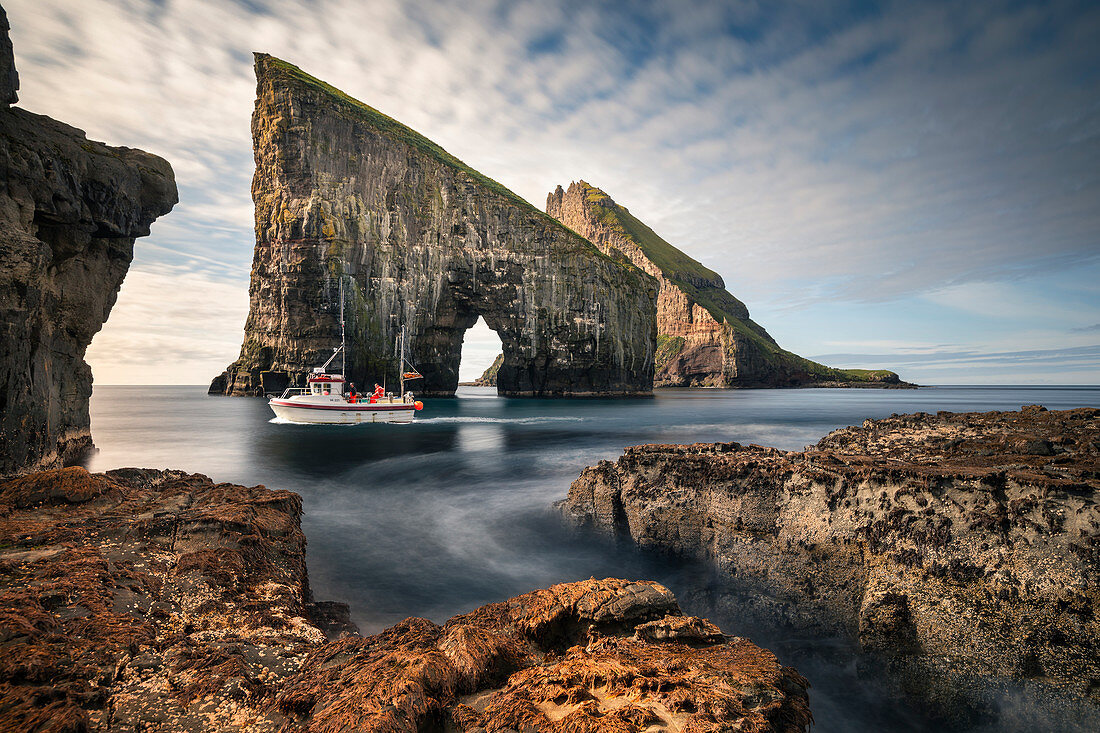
x=705 y=337
x=70 y=209
x=346 y=195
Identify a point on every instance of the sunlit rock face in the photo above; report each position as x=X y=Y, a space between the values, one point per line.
x=344 y=193
x=963 y=547
x=705 y=335
x=70 y=209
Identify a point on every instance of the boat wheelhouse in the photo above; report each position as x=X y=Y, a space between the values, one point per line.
x=328 y=398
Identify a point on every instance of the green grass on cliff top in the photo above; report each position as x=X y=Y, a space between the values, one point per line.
x=404 y=134
x=681 y=268
x=676 y=265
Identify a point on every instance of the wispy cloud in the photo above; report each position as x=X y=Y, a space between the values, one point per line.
x=171 y=326
x=1073 y=365
x=807 y=151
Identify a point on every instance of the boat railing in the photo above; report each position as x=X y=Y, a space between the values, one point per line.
x=291 y=391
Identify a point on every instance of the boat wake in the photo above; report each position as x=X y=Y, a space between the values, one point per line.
x=502 y=420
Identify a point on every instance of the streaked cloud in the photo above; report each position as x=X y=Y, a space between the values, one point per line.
x=874 y=155
x=1075 y=365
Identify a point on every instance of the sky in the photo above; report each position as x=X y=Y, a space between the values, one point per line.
x=911 y=186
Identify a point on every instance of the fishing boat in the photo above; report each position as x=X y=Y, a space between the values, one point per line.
x=328 y=398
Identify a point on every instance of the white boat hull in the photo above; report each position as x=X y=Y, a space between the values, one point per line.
x=339 y=412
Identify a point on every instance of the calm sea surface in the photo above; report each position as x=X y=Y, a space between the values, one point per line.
x=454 y=511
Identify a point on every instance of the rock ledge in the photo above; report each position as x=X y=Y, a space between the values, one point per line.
x=142 y=600
x=957 y=544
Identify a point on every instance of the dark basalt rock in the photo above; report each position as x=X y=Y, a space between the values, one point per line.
x=964 y=547
x=345 y=194
x=9 y=77
x=142 y=600
x=70 y=209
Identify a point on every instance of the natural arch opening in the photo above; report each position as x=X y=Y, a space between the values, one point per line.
x=482 y=350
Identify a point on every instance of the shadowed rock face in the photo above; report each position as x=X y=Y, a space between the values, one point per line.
x=70 y=210
x=343 y=192
x=962 y=546
x=142 y=600
x=705 y=335
x=9 y=77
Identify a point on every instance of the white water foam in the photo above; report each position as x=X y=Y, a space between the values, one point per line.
x=508 y=420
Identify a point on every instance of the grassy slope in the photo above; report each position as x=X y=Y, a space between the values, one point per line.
x=722 y=305
x=489 y=376
x=395 y=130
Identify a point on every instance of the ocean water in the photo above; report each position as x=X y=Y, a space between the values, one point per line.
x=456 y=510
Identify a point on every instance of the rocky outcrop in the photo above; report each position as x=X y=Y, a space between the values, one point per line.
x=142 y=600
x=705 y=336
x=607 y=655
x=70 y=209
x=9 y=77
x=962 y=546
x=148 y=600
x=344 y=194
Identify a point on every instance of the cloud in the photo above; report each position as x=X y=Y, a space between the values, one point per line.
x=1071 y=365
x=808 y=152
x=170 y=326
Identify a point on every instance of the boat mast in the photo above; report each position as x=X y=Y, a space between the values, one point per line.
x=401 y=363
x=343 y=341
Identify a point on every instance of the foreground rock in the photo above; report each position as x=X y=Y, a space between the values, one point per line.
x=142 y=600
x=153 y=598
x=705 y=337
x=419 y=239
x=963 y=546
x=608 y=655
x=70 y=209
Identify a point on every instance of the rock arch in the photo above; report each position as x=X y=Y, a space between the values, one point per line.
x=344 y=193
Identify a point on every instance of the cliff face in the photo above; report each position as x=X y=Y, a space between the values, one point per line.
x=143 y=600
x=70 y=209
x=957 y=544
x=705 y=336
x=343 y=192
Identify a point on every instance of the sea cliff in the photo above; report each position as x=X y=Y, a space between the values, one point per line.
x=705 y=337
x=963 y=547
x=70 y=209
x=346 y=195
